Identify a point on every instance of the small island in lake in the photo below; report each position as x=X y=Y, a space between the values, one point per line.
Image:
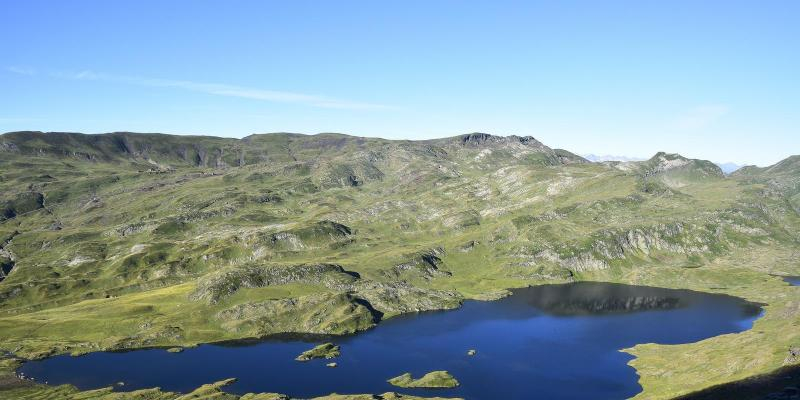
x=325 y=350
x=435 y=379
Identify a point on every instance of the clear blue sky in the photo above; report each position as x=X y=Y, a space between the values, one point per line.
x=711 y=79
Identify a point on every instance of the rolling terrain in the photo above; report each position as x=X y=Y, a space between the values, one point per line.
x=127 y=240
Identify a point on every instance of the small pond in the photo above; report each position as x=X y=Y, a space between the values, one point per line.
x=543 y=342
x=793 y=280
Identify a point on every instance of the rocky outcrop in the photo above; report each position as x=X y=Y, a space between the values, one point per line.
x=519 y=147
x=217 y=286
x=319 y=313
x=425 y=264
x=348 y=174
x=577 y=263
x=400 y=297
x=8 y=147
x=320 y=234
x=325 y=350
x=667 y=163
x=20 y=203
x=480 y=139
x=673 y=237
x=7 y=258
x=599 y=249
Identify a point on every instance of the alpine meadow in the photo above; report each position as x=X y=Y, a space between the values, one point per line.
x=122 y=241
x=417 y=200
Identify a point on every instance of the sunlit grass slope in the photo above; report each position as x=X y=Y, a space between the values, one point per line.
x=125 y=240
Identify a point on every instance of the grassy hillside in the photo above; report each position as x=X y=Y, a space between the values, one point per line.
x=127 y=240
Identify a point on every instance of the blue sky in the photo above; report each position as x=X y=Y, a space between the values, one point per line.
x=714 y=79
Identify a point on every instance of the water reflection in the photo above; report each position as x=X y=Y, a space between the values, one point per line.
x=547 y=342
x=598 y=299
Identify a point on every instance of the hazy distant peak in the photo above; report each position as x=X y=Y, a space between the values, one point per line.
x=729 y=167
x=608 y=157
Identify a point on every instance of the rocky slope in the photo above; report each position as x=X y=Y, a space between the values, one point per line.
x=126 y=240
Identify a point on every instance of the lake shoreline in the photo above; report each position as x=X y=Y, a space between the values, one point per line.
x=592 y=305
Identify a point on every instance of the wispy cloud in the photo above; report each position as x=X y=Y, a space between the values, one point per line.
x=701 y=116
x=21 y=70
x=223 y=90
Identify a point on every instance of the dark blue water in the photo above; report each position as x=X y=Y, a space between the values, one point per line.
x=545 y=342
x=793 y=280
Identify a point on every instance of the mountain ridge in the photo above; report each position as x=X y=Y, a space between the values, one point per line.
x=120 y=139
x=123 y=241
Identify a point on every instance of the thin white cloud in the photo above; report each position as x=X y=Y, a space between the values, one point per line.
x=21 y=70
x=225 y=90
x=701 y=116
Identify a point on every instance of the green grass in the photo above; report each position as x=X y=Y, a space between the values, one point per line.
x=127 y=237
x=434 y=379
x=325 y=350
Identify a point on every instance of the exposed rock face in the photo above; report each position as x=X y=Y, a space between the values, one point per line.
x=517 y=146
x=21 y=203
x=9 y=147
x=7 y=258
x=615 y=244
x=424 y=264
x=577 y=263
x=401 y=297
x=115 y=222
x=664 y=163
x=320 y=234
x=608 y=245
x=321 y=313
x=377 y=297
x=478 y=139
x=6 y=264
x=217 y=286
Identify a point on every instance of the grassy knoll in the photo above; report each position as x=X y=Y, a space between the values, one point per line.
x=325 y=350
x=434 y=379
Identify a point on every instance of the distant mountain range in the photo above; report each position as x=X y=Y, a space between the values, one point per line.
x=607 y=157
x=727 y=167
x=123 y=241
